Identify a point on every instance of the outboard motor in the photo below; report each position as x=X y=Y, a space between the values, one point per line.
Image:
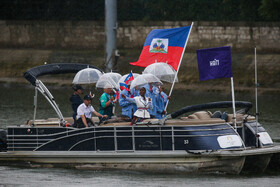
x=3 y=140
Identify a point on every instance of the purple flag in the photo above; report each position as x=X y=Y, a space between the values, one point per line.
x=214 y=63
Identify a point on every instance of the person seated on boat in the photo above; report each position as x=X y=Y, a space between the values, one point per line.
x=106 y=103
x=128 y=108
x=143 y=103
x=76 y=100
x=151 y=92
x=84 y=113
x=161 y=100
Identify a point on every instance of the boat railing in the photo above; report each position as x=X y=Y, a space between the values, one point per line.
x=117 y=134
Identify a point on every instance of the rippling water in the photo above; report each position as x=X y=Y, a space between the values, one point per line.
x=16 y=106
x=13 y=176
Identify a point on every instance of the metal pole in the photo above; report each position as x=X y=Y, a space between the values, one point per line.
x=178 y=67
x=35 y=104
x=256 y=95
x=111 y=32
x=233 y=102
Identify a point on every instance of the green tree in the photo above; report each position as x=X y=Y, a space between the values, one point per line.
x=270 y=10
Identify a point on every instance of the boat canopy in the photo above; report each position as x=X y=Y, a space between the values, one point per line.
x=220 y=104
x=61 y=68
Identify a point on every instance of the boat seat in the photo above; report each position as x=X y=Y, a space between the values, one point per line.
x=201 y=115
x=44 y=122
x=194 y=121
x=240 y=118
x=116 y=124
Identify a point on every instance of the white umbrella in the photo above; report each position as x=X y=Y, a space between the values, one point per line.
x=144 y=79
x=87 y=76
x=124 y=77
x=108 y=80
x=162 y=70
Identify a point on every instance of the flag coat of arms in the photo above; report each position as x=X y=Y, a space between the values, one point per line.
x=214 y=63
x=164 y=45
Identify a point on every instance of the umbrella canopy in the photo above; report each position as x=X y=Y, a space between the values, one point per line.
x=109 y=80
x=124 y=77
x=87 y=76
x=143 y=79
x=162 y=70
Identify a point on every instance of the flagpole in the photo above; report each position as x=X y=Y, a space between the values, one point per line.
x=233 y=102
x=256 y=92
x=178 y=67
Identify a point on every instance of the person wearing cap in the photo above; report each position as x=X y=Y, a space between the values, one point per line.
x=84 y=113
x=143 y=103
x=76 y=100
x=106 y=102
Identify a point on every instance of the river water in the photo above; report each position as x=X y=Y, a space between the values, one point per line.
x=16 y=106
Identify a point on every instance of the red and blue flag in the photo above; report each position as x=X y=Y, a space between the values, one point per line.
x=214 y=63
x=117 y=95
x=164 y=45
x=129 y=78
x=124 y=86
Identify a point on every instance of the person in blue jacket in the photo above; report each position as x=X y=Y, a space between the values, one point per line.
x=151 y=92
x=127 y=107
x=161 y=100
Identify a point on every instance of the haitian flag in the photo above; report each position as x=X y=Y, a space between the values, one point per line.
x=124 y=86
x=129 y=78
x=164 y=45
x=214 y=63
x=117 y=95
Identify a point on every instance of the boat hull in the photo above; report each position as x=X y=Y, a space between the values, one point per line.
x=157 y=162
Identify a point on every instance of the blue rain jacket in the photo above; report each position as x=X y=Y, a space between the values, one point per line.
x=127 y=107
x=152 y=94
x=161 y=100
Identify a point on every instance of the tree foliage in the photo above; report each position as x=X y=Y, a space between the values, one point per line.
x=143 y=10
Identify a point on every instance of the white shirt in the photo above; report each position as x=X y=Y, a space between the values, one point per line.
x=84 y=110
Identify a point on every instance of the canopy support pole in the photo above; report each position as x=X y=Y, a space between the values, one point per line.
x=256 y=95
x=35 y=105
x=233 y=103
x=46 y=93
x=178 y=67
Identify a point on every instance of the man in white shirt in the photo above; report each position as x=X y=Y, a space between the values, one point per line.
x=84 y=113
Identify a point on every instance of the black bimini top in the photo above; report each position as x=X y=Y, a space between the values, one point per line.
x=61 y=68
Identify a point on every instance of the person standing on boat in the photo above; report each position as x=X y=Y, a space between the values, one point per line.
x=127 y=107
x=76 y=100
x=161 y=100
x=151 y=92
x=143 y=103
x=106 y=103
x=84 y=113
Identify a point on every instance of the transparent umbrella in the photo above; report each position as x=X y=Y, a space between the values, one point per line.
x=162 y=70
x=124 y=77
x=108 y=80
x=143 y=79
x=87 y=76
